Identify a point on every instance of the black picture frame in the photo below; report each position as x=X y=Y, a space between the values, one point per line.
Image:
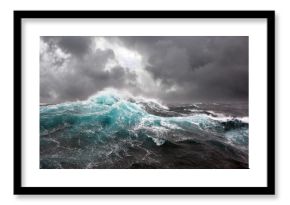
x=269 y=189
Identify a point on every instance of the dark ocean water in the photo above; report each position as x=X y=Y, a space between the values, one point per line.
x=112 y=131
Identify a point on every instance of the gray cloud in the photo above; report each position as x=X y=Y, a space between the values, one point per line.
x=69 y=73
x=77 y=45
x=204 y=68
x=174 y=69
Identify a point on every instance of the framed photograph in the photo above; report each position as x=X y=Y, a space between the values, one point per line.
x=144 y=102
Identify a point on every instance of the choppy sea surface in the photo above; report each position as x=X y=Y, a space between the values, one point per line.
x=114 y=131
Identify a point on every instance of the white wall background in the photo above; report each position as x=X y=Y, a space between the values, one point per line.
x=282 y=99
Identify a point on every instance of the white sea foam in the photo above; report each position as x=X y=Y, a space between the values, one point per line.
x=151 y=101
x=243 y=119
x=224 y=118
x=158 y=141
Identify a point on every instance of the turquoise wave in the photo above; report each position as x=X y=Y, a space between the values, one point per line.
x=108 y=113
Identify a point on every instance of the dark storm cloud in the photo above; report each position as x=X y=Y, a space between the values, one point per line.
x=204 y=68
x=182 y=69
x=77 y=45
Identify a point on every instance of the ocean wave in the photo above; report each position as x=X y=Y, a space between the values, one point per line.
x=108 y=112
x=117 y=130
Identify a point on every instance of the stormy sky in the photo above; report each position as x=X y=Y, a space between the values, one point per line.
x=173 y=69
